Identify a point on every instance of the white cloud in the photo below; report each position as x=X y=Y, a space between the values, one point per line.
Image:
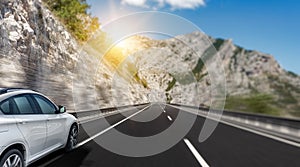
x=174 y=4
x=138 y=3
x=183 y=4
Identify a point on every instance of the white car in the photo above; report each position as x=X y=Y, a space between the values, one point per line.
x=32 y=126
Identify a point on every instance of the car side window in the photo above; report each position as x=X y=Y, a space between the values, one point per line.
x=5 y=107
x=46 y=106
x=23 y=105
x=8 y=107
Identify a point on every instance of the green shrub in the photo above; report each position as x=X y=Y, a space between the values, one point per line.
x=218 y=43
x=292 y=74
x=171 y=85
x=73 y=13
x=255 y=103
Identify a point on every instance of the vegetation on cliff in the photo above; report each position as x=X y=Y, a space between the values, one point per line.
x=74 y=14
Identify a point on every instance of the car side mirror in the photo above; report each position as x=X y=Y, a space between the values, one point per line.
x=61 y=109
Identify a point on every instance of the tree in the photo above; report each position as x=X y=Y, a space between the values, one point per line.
x=73 y=13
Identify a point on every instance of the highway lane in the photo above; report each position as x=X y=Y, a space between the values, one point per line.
x=91 y=154
x=228 y=146
x=93 y=127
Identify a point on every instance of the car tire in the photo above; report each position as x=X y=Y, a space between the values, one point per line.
x=72 y=138
x=12 y=158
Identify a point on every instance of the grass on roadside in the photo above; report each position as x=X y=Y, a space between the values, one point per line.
x=254 y=103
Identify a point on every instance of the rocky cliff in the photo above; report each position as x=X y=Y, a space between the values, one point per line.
x=250 y=75
x=37 y=52
x=254 y=72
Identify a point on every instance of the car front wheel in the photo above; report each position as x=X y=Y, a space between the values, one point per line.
x=72 y=139
x=12 y=158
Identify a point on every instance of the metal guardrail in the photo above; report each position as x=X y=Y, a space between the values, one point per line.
x=281 y=127
x=293 y=123
x=102 y=110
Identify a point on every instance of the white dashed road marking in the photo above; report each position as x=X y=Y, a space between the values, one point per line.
x=196 y=153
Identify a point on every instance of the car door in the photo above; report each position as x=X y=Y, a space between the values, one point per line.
x=31 y=123
x=7 y=120
x=56 y=123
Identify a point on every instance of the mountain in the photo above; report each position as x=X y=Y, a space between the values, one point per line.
x=251 y=73
x=255 y=82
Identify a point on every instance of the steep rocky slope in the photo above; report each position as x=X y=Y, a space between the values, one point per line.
x=37 y=52
x=251 y=76
x=253 y=72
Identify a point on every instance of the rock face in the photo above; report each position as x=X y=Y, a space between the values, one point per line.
x=247 y=72
x=37 y=52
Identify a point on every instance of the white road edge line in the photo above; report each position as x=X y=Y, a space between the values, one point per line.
x=100 y=116
x=246 y=129
x=170 y=118
x=104 y=115
x=263 y=134
x=196 y=153
x=109 y=128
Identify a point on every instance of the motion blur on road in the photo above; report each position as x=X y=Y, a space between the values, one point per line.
x=228 y=146
x=151 y=88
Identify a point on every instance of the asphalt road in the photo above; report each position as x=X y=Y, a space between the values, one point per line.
x=227 y=146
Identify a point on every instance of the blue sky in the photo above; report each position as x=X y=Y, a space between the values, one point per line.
x=269 y=26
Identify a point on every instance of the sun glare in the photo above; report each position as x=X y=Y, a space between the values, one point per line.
x=118 y=53
x=114 y=57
